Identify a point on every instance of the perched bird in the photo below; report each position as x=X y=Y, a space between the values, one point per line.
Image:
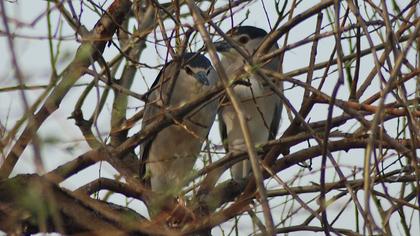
x=167 y=159
x=262 y=108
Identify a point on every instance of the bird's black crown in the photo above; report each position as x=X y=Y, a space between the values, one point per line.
x=252 y=31
x=196 y=60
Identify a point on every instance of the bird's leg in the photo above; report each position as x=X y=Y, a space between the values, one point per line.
x=241 y=170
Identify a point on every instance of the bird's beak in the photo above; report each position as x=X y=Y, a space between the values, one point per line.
x=202 y=77
x=222 y=46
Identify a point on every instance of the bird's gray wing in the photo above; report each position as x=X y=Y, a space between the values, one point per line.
x=222 y=130
x=275 y=122
x=150 y=111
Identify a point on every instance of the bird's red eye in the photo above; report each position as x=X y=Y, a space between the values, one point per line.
x=243 y=39
x=188 y=70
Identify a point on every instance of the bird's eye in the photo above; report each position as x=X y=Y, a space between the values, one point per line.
x=243 y=39
x=208 y=71
x=188 y=70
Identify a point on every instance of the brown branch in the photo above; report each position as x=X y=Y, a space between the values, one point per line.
x=275 y=35
x=229 y=191
x=341 y=145
x=83 y=161
x=79 y=214
x=339 y=185
x=85 y=125
x=300 y=228
x=371 y=109
x=145 y=19
x=347 y=58
x=346 y=109
x=92 y=46
x=111 y=185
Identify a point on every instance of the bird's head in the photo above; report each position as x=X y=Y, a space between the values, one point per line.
x=198 y=67
x=247 y=37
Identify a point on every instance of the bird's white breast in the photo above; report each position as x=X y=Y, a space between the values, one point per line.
x=249 y=86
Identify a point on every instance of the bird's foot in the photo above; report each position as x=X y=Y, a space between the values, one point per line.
x=180 y=215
